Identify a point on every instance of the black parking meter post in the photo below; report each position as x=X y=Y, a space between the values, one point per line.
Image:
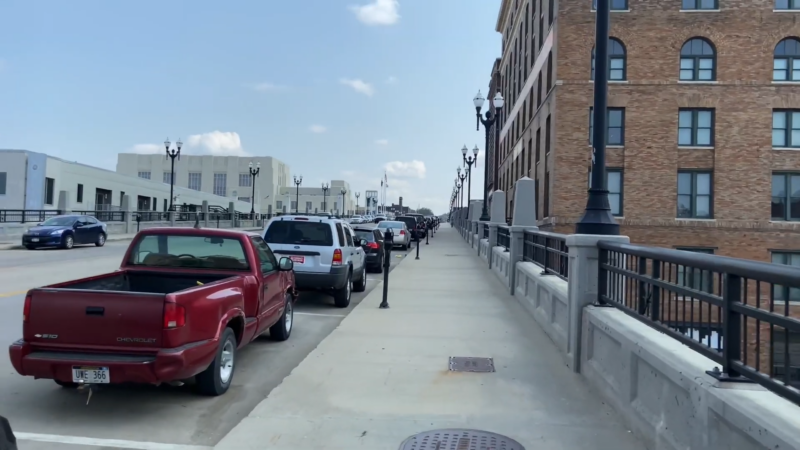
x=217 y=220
x=419 y=241
x=387 y=262
x=138 y=222
x=427 y=234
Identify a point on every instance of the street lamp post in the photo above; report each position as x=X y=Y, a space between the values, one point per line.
x=488 y=124
x=172 y=154
x=358 y=194
x=597 y=217
x=469 y=161
x=461 y=177
x=298 y=180
x=343 y=192
x=325 y=188
x=253 y=174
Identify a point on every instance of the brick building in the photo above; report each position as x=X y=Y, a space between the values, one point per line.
x=703 y=126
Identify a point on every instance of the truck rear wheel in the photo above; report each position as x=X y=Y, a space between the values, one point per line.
x=217 y=378
x=283 y=328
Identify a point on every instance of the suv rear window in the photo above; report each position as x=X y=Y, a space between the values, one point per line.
x=410 y=222
x=299 y=233
x=367 y=235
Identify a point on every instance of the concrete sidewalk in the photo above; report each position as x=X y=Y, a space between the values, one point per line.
x=111 y=238
x=383 y=375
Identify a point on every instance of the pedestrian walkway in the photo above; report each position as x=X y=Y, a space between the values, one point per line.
x=383 y=375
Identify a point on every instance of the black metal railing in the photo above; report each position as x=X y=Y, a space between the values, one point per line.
x=485 y=231
x=741 y=314
x=547 y=250
x=504 y=237
x=104 y=216
x=27 y=215
x=151 y=216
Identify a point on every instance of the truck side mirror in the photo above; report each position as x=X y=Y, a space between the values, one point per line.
x=285 y=264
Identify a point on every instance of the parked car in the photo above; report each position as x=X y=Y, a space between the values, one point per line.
x=326 y=253
x=181 y=305
x=66 y=232
x=373 y=251
x=422 y=228
x=356 y=219
x=414 y=225
x=401 y=236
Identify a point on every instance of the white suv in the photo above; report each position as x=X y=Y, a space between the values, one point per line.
x=327 y=254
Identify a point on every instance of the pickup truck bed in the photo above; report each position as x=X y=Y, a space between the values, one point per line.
x=143 y=282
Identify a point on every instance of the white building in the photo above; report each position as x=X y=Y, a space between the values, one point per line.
x=33 y=181
x=222 y=176
x=312 y=199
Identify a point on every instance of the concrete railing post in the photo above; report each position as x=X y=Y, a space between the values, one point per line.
x=232 y=210
x=482 y=225
x=172 y=218
x=128 y=214
x=497 y=216
x=524 y=220
x=583 y=276
x=204 y=211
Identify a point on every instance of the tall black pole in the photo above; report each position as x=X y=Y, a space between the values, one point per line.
x=171 y=183
x=488 y=125
x=469 y=180
x=297 y=182
x=597 y=218
x=253 y=174
x=325 y=198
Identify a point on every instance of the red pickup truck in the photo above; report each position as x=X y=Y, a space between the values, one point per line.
x=182 y=303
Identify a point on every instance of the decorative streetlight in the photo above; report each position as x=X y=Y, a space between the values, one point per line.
x=325 y=188
x=597 y=217
x=298 y=180
x=488 y=123
x=461 y=177
x=358 y=194
x=172 y=154
x=253 y=174
x=469 y=161
x=343 y=192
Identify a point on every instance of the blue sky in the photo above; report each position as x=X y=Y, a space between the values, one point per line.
x=334 y=88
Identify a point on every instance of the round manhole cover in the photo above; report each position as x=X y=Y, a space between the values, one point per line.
x=458 y=439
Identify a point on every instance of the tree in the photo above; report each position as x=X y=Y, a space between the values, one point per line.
x=425 y=211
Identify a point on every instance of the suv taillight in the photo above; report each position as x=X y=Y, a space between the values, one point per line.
x=26 y=309
x=373 y=245
x=337 y=257
x=174 y=316
x=402 y=232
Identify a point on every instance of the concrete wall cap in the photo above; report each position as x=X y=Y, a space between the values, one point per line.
x=591 y=240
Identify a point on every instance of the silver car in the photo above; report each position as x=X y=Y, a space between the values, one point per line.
x=400 y=234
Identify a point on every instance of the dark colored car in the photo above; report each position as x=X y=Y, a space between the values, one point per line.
x=412 y=224
x=374 y=248
x=66 y=232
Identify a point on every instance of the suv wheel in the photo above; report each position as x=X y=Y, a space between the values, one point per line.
x=341 y=297
x=361 y=285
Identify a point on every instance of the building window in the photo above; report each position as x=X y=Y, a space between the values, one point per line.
x=699 y=4
x=616 y=5
x=245 y=180
x=779 y=362
x=786 y=60
x=308 y=206
x=785 y=293
x=49 y=190
x=615 y=134
x=785 y=196
x=221 y=184
x=279 y=205
x=145 y=175
x=293 y=205
x=786 y=129
x=244 y=199
x=693 y=278
x=550 y=73
x=614 y=184
x=551 y=11
x=698 y=61
x=616 y=60
x=3 y=182
x=168 y=177
x=694 y=195
x=80 y=194
x=787 y=4
x=696 y=127
x=335 y=206
x=194 y=180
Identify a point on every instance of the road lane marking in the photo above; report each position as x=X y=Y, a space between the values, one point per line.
x=12 y=294
x=319 y=314
x=108 y=443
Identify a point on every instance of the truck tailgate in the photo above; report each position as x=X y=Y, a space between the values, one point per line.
x=99 y=319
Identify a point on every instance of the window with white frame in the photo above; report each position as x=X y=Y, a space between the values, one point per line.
x=194 y=180
x=168 y=177
x=245 y=180
x=221 y=184
x=145 y=175
x=785 y=293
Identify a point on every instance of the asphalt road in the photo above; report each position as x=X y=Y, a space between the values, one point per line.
x=170 y=418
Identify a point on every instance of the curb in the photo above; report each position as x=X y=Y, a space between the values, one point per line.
x=108 y=239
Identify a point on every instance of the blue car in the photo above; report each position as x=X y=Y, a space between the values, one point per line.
x=66 y=232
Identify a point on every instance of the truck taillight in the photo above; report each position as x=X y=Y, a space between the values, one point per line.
x=337 y=257
x=174 y=315
x=26 y=309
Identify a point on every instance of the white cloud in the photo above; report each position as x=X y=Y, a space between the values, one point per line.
x=411 y=169
x=217 y=143
x=391 y=80
x=317 y=129
x=267 y=87
x=378 y=13
x=148 y=149
x=359 y=86
x=382 y=142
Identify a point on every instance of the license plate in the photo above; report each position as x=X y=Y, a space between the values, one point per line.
x=298 y=259
x=34 y=239
x=91 y=375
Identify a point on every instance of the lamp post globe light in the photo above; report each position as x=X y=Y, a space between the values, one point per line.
x=325 y=188
x=298 y=180
x=253 y=174
x=172 y=154
x=597 y=217
x=343 y=192
x=461 y=177
x=488 y=124
x=469 y=161
x=358 y=194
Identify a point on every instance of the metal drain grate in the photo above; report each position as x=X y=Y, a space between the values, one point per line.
x=470 y=364
x=458 y=439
